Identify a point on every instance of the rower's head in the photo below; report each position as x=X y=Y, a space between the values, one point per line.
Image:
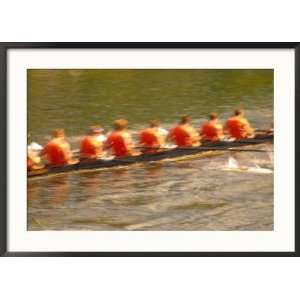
x=154 y=123
x=239 y=113
x=185 y=119
x=58 y=133
x=120 y=124
x=95 y=130
x=213 y=116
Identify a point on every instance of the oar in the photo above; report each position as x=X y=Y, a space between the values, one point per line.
x=226 y=149
x=239 y=149
x=202 y=148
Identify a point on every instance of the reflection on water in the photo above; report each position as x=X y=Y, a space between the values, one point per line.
x=198 y=194
x=232 y=191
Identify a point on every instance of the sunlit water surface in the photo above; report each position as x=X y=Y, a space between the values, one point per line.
x=231 y=191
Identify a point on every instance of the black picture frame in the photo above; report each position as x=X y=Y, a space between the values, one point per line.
x=4 y=47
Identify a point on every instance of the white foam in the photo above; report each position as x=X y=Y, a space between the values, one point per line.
x=232 y=163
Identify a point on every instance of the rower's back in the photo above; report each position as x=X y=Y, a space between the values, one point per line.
x=57 y=150
x=184 y=134
x=238 y=126
x=212 y=130
x=90 y=145
x=151 y=137
x=120 y=141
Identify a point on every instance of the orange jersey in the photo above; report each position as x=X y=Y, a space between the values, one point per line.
x=150 y=137
x=90 y=147
x=120 y=143
x=184 y=135
x=212 y=131
x=238 y=128
x=57 y=152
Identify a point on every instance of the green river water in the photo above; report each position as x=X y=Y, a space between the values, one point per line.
x=197 y=194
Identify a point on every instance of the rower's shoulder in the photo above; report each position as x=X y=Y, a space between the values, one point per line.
x=231 y=118
x=125 y=134
x=244 y=120
x=144 y=130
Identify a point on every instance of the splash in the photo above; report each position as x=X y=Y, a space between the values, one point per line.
x=233 y=165
x=258 y=170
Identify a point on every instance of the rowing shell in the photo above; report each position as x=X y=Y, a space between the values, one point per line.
x=160 y=156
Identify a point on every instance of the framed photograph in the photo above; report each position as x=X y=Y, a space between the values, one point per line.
x=149 y=149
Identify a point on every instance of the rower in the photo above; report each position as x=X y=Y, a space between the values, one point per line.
x=33 y=156
x=212 y=130
x=57 y=151
x=184 y=134
x=120 y=140
x=238 y=126
x=91 y=145
x=33 y=161
x=152 y=137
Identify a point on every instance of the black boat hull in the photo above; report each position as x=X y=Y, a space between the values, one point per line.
x=168 y=154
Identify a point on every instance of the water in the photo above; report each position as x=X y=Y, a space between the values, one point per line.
x=193 y=194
